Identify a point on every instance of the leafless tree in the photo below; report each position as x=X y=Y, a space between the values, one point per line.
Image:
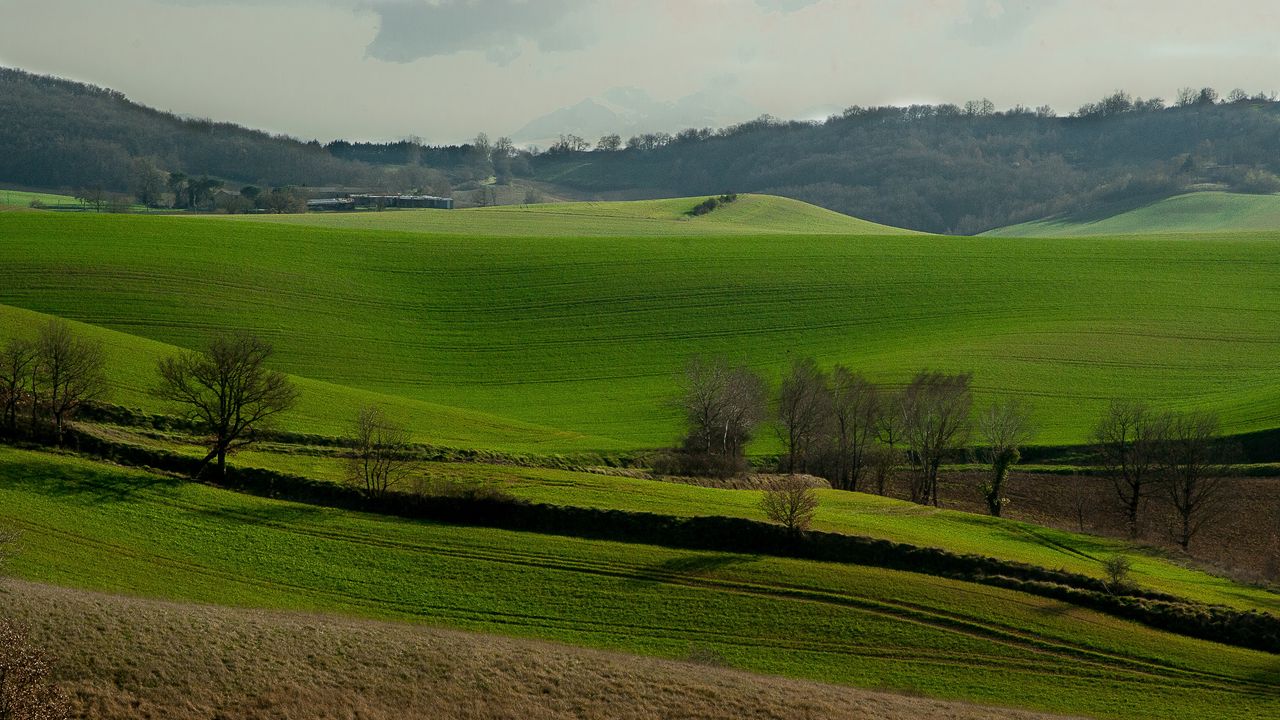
x=17 y=367
x=1128 y=441
x=1003 y=428
x=27 y=691
x=855 y=413
x=228 y=389
x=722 y=405
x=935 y=421
x=68 y=373
x=381 y=458
x=804 y=412
x=791 y=501
x=1195 y=470
x=886 y=455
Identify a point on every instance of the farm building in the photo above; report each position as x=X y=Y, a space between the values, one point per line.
x=403 y=201
x=331 y=204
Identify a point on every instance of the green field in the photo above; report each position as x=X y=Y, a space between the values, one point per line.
x=1201 y=212
x=842 y=512
x=22 y=198
x=749 y=214
x=96 y=527
x=577 y=342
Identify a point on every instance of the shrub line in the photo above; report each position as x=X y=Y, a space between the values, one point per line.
x=1249 y=629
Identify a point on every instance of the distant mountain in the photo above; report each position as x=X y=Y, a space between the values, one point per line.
x=630 y=111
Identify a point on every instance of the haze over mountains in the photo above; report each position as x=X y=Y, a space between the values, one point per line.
x=631 y=111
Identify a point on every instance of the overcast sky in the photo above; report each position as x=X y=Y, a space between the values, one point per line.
x=445 y=69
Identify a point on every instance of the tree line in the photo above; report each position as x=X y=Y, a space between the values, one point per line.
x=945 y=168
x=957 y=169
x=863 y=436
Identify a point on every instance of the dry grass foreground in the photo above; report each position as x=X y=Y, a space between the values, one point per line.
x=120 y=657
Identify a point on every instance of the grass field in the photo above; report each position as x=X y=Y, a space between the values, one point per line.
x=839 y=511
x=748 y=215
x=95 y=527
x=1201 y=212
x=581 y=339
x=22 y=198
x=123 y=658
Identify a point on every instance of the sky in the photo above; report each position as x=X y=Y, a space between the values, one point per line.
x=443 y=70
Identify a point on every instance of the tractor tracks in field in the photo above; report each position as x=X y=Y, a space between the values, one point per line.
x=1077 y=659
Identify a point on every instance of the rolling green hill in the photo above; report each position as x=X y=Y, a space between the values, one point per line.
x=843 y=512
x=749 y=214
x=1200 y=212
x=586 y=336
x=98 y=527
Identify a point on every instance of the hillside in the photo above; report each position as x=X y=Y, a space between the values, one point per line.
x=748 y=215
x=97 y=527
x=934 y=168
x=187 y=661
x=586 y=336
x=1201 y=212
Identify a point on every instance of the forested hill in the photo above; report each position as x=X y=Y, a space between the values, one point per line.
x=945 y=169
x=934 y=168
x=56 y=133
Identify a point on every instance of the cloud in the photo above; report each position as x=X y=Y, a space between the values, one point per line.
x=413 y=29
x=785 y=6
x=992 y=22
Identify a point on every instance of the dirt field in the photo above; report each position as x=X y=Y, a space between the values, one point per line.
x=122 y=658
x=1243 y=541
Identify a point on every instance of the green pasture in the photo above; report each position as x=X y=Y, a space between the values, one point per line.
x=93 y=526
x=749 y=214
x=1200 y=212
x=839 y=511
x=580 y=340
x=22 y=198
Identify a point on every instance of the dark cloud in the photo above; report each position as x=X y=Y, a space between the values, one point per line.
x=413 y=29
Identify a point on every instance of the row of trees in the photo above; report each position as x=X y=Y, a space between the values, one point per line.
x=46 y=378
x=1181 y=456
x=859 y=435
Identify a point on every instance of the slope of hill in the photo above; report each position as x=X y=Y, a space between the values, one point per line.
x=324 y=408
x=843 y=512
x=120 y=658
x=1199 y=212
x=588 y=335
x=934 y=168
x=748 y=215
x=98 y=527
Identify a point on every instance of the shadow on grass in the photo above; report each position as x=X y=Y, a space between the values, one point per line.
x=74 y=480
x=705 y=563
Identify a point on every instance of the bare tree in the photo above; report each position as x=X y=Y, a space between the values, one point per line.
x=1128 y=440
x=791 y=501
x=855 y=414
x=886 y=455
x=68 y=373
x=228 y=389
x=17 y=366
x=935 y=422
x=1196 y=472
x=722 y=406
x=380 y=459
x=804 y=411
x=1003 y=428
x=27 y=691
